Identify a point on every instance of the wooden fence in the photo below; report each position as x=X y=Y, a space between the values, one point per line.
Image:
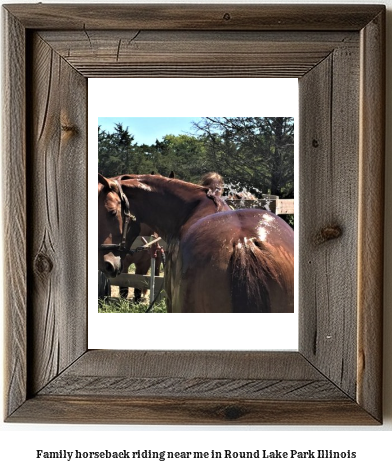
x=142 y=282
x=148 y=282
x=269 y=202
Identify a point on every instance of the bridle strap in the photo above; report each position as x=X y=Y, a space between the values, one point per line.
x=127 y=216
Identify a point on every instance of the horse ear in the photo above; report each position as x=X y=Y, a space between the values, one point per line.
x=107 y=183
x=125 y=177
x=103 y=180
x=171 y=175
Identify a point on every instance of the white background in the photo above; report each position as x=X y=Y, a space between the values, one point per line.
x=184 y=98
x=372 y=444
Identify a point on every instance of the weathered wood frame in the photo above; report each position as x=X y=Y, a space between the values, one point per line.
x=337 y=52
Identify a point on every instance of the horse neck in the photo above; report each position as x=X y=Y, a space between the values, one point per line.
x=170 y=208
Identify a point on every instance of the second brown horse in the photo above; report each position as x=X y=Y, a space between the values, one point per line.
x=218 y=260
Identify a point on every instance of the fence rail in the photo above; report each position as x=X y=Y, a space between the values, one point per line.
x=142 y=282
x=268 y=201
x=284 y=206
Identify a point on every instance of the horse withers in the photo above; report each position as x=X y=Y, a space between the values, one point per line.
x=218 y=260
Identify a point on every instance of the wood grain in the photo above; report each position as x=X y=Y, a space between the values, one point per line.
x=195 y=17
x=57 y=228
x=125 y=53
x=187 y=374
x=103 y=409
x=207 y=364
x=371 y=218
x=14 y=198
x=329 y=169
x=208 y=387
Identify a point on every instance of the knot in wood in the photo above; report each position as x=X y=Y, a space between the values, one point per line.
x=232 y=412
x=227 y=16
x=315 y=143
x=328 y=233
x=43 y=264
x=69 y=129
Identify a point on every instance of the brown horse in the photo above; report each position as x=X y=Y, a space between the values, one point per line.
x=141 y=260
x=218 y=260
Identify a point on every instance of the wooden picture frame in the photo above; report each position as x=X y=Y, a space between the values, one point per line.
x=337 y=52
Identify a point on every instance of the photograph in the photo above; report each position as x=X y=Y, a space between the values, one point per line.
x=207 y=199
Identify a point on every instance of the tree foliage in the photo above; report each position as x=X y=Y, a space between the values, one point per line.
x=252 y=152
x=255 y=153
x=115 y=151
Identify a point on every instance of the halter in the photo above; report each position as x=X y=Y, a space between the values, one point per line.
x=127 y=217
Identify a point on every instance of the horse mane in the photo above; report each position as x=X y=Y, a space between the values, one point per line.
x=218 y=201
x=152 y=180
x=220 y=204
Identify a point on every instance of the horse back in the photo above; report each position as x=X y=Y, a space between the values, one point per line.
x=239 y=261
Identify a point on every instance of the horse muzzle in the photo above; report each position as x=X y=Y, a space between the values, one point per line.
x=112 y=265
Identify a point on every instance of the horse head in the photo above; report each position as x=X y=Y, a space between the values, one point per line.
x=114 y=229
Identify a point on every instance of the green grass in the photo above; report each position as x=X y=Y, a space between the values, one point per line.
x=127 y=306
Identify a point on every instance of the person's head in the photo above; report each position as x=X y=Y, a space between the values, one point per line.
x=214 y=181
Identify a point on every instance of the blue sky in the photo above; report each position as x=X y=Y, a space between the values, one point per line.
x=148 y=129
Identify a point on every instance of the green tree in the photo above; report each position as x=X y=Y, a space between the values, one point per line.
x=255 y=153
x=114 y=151
x=252 y=152
x=183 y=154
